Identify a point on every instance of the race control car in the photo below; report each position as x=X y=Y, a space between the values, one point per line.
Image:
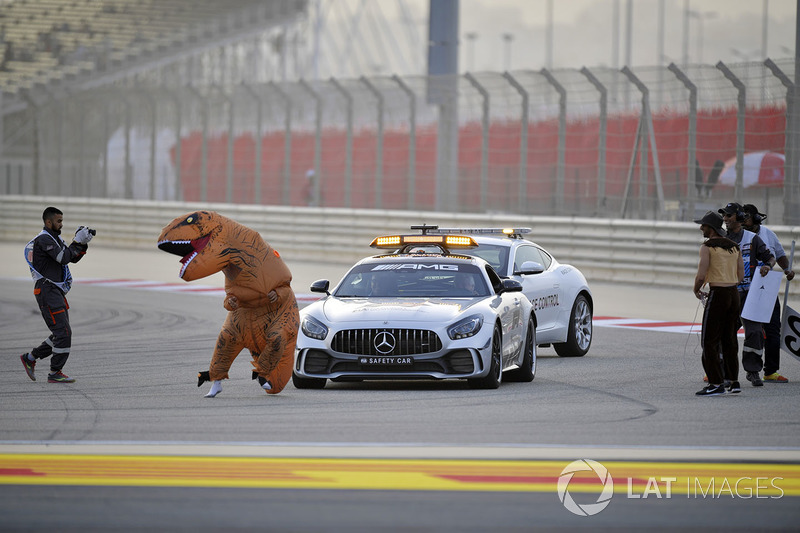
x=559 y=292
x=419 y=312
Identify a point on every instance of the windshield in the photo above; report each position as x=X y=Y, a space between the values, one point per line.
x=431 y=279
x=495 y=255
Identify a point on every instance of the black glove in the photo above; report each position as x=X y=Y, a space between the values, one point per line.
x=202 y=377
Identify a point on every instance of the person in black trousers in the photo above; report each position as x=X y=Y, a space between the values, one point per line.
x=720 y=267
x=48 y=256
x=754 y=252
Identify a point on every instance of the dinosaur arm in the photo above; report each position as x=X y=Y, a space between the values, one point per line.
x=238 y=296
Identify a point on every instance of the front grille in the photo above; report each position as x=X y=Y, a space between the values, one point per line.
x=404 y=342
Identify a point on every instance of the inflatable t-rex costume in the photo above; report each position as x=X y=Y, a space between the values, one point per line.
x=263 y=315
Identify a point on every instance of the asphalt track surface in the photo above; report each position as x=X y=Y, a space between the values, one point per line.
x=133 y=445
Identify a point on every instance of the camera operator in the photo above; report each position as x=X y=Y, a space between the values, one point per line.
x=48 y=256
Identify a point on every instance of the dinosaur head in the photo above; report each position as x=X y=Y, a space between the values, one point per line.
x=199 y=239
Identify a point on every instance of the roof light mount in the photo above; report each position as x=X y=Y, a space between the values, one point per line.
x=514 y=233
x=425 y=228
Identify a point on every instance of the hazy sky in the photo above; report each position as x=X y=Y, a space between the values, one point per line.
x=582 y=32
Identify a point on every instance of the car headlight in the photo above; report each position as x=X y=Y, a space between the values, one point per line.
x=313 y=328
x=466 y=327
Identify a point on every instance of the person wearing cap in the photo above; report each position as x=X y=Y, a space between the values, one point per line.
x=772 y=344
x=754 y=251
x=722 y=268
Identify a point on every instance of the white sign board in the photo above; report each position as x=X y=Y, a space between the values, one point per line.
x=761 y=297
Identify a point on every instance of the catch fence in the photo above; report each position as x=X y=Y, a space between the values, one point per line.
x=662 y=143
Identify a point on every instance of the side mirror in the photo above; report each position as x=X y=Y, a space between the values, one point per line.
x=321 y=285
x=510 y=285
x=528 y=268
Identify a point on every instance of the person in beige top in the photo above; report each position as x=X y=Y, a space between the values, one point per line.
x=722 y=269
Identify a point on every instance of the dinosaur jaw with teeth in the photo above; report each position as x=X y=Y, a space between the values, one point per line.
x=187 y=249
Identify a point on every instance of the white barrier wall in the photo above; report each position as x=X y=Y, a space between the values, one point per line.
x=626 y=251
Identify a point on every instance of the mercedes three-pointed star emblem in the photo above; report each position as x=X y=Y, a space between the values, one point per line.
x=384 y=342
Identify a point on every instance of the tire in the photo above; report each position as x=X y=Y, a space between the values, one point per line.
x=579 y=336
x=527 y=371
x=495 y=376
x=307 y=383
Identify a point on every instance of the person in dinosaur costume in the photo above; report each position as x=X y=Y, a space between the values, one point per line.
x=262 y=310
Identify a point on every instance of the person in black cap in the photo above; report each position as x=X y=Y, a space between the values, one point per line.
x=772 y=344
x=720 y=267
x=753 y=251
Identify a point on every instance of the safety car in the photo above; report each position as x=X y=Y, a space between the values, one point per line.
x=561 y=298
x=425 y=310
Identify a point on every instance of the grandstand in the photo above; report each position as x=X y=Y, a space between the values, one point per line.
x=72 y=45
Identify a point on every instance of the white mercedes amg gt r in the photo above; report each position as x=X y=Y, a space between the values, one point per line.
x=421 y=312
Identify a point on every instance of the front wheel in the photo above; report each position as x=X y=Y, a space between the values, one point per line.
x=495 y=376
x=579 y=336
x=527 y=370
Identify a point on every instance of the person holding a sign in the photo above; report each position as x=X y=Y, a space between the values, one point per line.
x=48 y=256
x=753 y=251
x=772 y=344
x=720 y=267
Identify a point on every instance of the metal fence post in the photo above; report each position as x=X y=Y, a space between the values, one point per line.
x=4 y=169
x=60 y=110
x=790 y=149
x=691 y=164
x=36 y=149
x=128 y=183
x=379 y=155
x=791 y=195
x=178 y=144
x=348 y=156
x=740 y=118
x=257 y=142
x=106 y=136
x=412 y=141
x=523 y=143
x=601 y=144
x=153 y=117
x=204 y=150
x=287 y=142
x=484 y=138
x=562 y=137
x=82 y=186
x=229 y=157
x=317 y=141
x=650 y=136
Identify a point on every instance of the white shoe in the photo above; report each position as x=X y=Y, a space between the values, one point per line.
x=216 y=388
x=267 y=385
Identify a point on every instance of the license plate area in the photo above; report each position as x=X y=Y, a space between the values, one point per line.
x=376 y=361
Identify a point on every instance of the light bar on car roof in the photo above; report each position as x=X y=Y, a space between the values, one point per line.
x=478 y=231
x=449 y=241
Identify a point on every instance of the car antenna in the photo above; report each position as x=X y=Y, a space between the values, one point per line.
x=425 y=228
